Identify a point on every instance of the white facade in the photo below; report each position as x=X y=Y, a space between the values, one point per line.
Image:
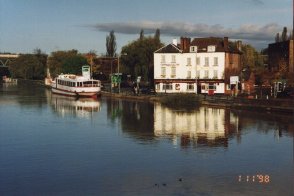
x=179 y=72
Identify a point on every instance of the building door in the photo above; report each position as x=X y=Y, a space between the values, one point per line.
x=198 y=88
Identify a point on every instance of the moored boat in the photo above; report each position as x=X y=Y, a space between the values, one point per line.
x=6 y=79
x=74 y=85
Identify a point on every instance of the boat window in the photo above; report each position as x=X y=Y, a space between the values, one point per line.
x=95 y=83
x=88 y=83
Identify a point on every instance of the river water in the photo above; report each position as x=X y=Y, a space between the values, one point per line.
x=54 y=145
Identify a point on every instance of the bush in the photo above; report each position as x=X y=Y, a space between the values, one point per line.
x=183 y=101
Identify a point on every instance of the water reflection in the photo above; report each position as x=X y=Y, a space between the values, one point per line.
x=205 y=126
x=147 y=121
x=277 y=124
x=136 y=118
x=24 y=93
x=70 y=106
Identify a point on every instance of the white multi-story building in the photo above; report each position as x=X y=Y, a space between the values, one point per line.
x=195 y=67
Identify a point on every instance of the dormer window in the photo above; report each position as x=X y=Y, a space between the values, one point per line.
x=211 y=48
x=193 y=48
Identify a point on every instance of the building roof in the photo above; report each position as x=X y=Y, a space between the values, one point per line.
x=221 y=44
x=170 y=48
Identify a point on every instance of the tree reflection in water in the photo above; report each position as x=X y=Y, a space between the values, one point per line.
x=202 y=127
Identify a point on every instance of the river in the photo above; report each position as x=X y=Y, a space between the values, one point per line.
x=54 y=145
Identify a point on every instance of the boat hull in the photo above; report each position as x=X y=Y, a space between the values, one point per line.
x=75 y=94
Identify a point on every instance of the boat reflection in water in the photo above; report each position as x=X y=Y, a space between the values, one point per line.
x=205 y=126
x=70 y=106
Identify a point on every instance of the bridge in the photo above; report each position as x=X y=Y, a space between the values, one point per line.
x=6 y=58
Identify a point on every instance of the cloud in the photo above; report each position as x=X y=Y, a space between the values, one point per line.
x=257 y=2
x=245 y=32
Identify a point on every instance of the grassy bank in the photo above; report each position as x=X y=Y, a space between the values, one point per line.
x=182 y=101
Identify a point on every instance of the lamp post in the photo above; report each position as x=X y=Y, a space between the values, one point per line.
x=123 y=54
x=242 y=79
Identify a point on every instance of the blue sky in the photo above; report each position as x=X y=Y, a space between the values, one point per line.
x=84 y=24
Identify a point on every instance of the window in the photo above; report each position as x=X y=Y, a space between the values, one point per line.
x=193 y=48
x=203 y=86
x=206 y=74
x=162 y=58
x=215 y=62
x=189 y=61
x=198 y=74
x=210 y=48
x=167 y=86
x=163 y=69
x=88 y=84
x=206 y=61
x=173 y=59
x=212 y=87
x=157 y=87
x=173 y=72
x=214 y=74
x=190 y=87
x=198 y=61
x=189 y=74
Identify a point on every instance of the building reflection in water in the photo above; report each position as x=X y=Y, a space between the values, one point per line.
x=202 y=127
x=70 y=106
x=206 y=126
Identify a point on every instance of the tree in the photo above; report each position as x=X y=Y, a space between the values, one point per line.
x=284 y=34
x=277 y=38
x=110 y=44
x=142 y=34
x=66 y=62
x=139 y=61
x=157 y=35
x=42 y=57
x=251 y=58
x=27 y=66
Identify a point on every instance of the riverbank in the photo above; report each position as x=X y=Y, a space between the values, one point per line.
x=271 y=105
x=262 y=105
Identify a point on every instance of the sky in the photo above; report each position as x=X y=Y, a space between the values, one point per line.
x=53 y=25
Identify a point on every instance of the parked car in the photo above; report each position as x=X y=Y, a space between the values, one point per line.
x=287 y=93
x=147 y=91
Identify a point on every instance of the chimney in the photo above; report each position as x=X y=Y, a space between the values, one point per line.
x=185 y=44
x=239 y=45
x=175 y=42
x=226 y=43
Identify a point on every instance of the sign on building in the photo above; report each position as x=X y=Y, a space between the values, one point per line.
x=234 y=79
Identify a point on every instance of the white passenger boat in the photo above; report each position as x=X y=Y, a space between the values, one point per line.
x=79 y=86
